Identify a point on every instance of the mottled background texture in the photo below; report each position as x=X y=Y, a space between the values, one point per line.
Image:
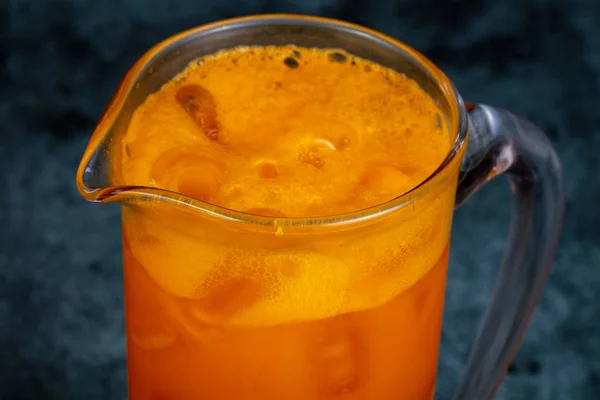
x=61 y=314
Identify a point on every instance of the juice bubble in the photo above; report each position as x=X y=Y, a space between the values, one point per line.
x=337 y=57
x=267 y=169
x=308 y=156
x=291 y=63
x=313 y=151
x=316 y=138
x=200 y=106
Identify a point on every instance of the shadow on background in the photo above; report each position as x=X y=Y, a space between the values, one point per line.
x=62 y=333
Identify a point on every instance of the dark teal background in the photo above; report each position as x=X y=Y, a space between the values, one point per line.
x=61 y=315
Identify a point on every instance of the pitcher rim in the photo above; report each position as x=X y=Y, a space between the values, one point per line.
x=131 y=194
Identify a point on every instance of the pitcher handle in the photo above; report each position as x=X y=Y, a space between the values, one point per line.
x=500 y=142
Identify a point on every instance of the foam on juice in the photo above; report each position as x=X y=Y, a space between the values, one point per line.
x=286 y=132
x=246 y=129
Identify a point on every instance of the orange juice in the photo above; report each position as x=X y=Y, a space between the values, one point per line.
x=215 y=312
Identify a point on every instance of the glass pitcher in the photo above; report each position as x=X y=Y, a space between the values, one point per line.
x=233 y=343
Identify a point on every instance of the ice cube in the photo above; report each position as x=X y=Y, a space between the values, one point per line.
x=191 y=171
x=177 y=259
x=335 y=357
x=386 y=181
